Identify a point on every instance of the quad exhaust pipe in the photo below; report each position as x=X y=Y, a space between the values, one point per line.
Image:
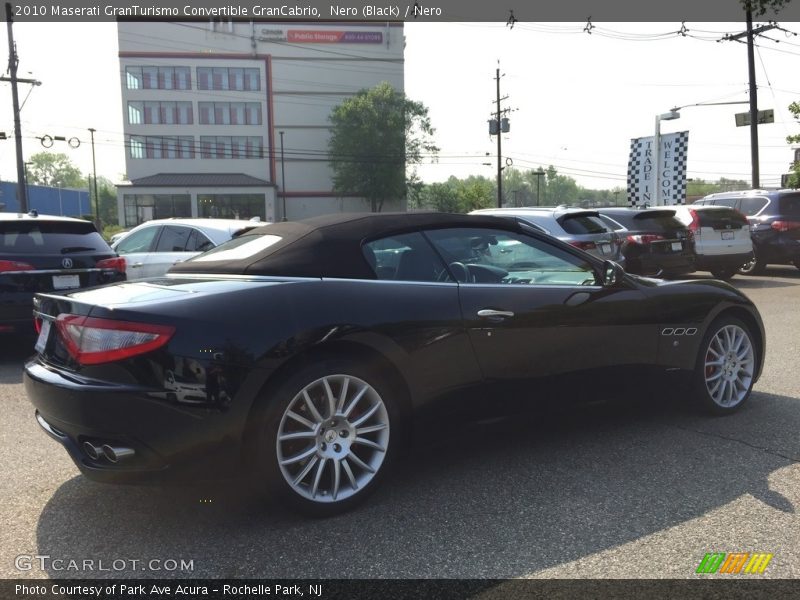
x=112 y=454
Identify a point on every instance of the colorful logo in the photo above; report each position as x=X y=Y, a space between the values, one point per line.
x=734 y=562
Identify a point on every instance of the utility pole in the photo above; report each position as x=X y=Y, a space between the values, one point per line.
x=94 y=177
x=499 y=125
x=751 y=69
x=22 y=195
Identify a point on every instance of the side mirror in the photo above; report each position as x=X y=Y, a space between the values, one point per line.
x=613 y=273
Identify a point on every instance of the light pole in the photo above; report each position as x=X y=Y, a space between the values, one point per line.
x=94 y=176
x=283 y=179
x=672 y=114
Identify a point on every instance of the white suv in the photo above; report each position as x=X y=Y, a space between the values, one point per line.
x=721 y=235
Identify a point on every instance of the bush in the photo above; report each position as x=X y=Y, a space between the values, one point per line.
x=110 y=230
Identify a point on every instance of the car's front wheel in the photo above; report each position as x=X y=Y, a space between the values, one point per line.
x=754 y=266
x=726 y=366
x=328 y=436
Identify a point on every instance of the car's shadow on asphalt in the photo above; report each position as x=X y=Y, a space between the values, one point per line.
x=499 y=498
x=14 y=350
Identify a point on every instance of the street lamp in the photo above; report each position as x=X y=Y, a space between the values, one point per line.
x=283 y=179
x=671 y=115
x=94 y=176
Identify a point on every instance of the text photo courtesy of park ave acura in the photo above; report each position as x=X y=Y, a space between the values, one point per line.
x=318 y=301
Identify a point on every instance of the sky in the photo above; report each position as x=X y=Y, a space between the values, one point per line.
x=576 y=98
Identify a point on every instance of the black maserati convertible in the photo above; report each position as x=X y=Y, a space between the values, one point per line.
x=301 y=350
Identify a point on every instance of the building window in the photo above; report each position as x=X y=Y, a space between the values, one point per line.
x=231 y=206
x=158 y=78
x=229 y=113
x=160 y=113
x=231 y=146
x=228 y=78
x=151 y=146
x=139 y=208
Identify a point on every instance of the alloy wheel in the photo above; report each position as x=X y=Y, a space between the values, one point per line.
x=729 y=366
x=333 y=438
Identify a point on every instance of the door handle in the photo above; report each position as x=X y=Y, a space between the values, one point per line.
x=134 y=265
x=491 y=313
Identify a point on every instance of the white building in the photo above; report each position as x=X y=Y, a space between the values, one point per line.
x=216 y=113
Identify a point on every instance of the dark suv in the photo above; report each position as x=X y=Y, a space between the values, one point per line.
x=774 y=217
x=654 y=241
x=45 y=254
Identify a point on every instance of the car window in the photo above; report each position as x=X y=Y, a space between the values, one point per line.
x=407 y=257
x=790 y=205
x=729 y=202
x=198 y=242
x=751 y=206
x=721 y=218
x=476 y=255
x=138 y=241
x=50 y=237
x=173 y=238
x=582 y=224
x=614 y=225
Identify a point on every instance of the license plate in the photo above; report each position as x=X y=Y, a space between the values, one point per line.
x=677 y=246
x=605 y=248
x=727 y=235
x=41 y=341
x=65 y=282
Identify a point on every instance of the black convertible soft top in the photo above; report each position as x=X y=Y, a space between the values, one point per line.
x=328 y=246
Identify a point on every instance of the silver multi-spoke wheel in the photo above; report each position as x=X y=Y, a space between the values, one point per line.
x=729 y=366
x=333 y=438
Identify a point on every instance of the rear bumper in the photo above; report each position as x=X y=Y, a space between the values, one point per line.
x=169 y=442
x=707 y=262
x=778 y=249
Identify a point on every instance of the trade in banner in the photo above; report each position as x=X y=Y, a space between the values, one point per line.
x=641 y=174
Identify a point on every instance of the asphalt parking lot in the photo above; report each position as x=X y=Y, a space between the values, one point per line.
x=603 y=491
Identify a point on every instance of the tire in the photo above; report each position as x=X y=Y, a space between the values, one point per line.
x=796 y=263
x=724 y=274
x=726 y=366
x=754 y=266
x=327 y=437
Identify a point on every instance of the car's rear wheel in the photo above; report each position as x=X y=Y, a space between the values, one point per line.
x=726 y=366
x=754 y=266
x=724 y=274
x=328 y=437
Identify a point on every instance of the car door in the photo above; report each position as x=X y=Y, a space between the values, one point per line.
x=533 y=308
x=136 y=248
x=170 y=248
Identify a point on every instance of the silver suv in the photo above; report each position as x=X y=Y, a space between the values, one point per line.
x=578 y=227
x=721 y=236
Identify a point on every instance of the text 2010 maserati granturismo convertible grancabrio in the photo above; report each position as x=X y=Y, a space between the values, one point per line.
x=302 y=349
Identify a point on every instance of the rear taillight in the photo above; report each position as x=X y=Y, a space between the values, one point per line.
x=117 y=264
x=584 y=245
x=645 y=238
x=91 y=341
x=694 y=226
x=7 y=266
x=785 y=225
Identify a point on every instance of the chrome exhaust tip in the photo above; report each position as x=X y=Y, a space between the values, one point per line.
x=114 y=454
x=92 y=451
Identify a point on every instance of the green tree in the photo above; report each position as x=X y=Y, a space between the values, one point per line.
x=376 y=135
x=794 y=180
x=54 y=170
x=759 y=7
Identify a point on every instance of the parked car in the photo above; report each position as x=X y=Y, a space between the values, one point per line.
x=774 y=217
x=306 y=347
x=653 y=241
x=721 y=237
x=579 y=227
x=118 y=236
x=151 y=248
x=41 y=253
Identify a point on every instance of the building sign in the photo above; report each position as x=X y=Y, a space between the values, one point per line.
x=320 y=36
x=325 y=36
x=641 y=170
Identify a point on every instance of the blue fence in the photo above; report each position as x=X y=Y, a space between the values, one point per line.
x=46 y=200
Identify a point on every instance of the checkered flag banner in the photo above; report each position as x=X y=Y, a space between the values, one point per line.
x=641 y=174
